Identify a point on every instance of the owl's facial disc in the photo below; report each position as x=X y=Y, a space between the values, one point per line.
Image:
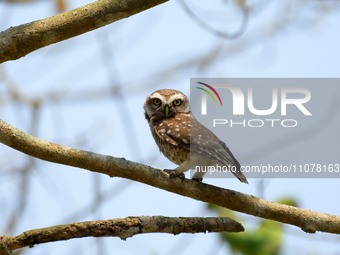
x=165 y=103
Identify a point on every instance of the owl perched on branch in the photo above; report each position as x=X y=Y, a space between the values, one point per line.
x=168 y=114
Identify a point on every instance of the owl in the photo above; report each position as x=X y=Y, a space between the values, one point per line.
x=168 y=114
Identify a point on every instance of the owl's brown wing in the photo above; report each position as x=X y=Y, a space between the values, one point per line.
x=175 y=130
x=205 y=142
x=190 y=134
x=179 y=129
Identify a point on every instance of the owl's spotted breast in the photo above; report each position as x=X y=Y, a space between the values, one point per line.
x=172 y=136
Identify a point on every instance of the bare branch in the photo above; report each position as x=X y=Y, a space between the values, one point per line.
x=307 y=220
x=122 y=228
x=18 y=41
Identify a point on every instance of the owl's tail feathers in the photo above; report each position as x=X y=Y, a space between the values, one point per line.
x=238 y=173
x=241 y=176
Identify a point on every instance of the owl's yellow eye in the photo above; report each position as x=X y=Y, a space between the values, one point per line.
x=177 y=102
x=156 y=101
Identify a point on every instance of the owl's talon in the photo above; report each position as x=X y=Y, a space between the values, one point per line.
x=174 y=173
x=198 y=179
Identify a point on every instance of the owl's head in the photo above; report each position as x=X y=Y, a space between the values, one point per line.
x=165 y=103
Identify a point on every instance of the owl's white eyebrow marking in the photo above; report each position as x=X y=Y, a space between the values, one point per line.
x=157 y=95
x=177 y=96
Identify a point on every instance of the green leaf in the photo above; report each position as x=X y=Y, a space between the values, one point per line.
x=266 y=239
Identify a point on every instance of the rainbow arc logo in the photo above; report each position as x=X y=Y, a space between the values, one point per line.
x=211 y=91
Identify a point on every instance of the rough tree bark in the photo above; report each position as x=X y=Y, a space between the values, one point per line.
x=18 y=41
x=307 y=220
x=122 y=228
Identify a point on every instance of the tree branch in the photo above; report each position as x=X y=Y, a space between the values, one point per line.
x=307 y=220
x=18 y=41
x=122 y=228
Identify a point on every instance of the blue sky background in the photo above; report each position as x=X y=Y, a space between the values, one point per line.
x=159 y=48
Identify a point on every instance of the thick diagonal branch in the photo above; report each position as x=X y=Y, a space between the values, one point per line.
x=122 y=228
x=307 y=220
x=18 y=41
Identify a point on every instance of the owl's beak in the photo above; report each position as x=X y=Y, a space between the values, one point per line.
x=166 y=110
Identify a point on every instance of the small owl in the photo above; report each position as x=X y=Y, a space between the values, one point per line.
x=168 y=114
